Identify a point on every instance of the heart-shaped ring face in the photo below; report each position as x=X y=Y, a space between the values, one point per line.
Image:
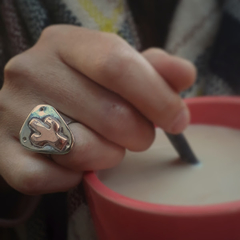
x=45 y=131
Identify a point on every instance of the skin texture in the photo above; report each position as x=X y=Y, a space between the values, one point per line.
x=114 y=94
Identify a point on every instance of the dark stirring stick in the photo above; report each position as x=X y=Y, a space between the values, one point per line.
x=183 y=148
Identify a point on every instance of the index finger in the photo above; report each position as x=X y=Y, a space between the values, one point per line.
x=111 y=62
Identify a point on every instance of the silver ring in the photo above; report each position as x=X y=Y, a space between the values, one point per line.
x=46 y=131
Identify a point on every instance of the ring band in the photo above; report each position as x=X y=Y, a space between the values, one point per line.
x=66 y=119
x=46 y=131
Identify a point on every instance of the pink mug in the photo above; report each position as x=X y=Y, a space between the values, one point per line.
x=117 y=217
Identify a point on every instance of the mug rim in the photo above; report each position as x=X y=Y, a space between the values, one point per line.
x=102 y=190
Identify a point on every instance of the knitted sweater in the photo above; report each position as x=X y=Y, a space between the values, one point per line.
x=203 y=31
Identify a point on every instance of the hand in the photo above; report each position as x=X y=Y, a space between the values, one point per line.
x=113 y=92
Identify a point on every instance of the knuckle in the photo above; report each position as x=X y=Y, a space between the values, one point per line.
x=14 y=66
x=22 y=72
x=50 y=33
x=134 y=130
x=120 y=114
x=19 y=70
x=115 y=62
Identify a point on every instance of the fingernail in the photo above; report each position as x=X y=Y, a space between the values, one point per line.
x=180 y=122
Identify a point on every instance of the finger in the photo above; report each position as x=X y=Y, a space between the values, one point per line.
x=78 y=97
x=90 y=151
x=121 y=69
x=33 y=173
x=178 y=72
